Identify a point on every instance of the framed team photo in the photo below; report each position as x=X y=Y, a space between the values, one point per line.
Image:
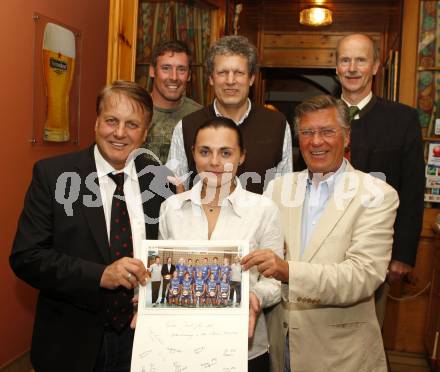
x=193 y=312
x=198 y=277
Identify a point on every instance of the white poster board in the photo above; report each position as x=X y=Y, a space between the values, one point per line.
x=186 y=333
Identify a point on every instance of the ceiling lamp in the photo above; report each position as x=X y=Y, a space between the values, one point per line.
x=315 y=16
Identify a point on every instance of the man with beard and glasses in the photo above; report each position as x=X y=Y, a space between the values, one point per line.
x=385 y=137
x=170 y=69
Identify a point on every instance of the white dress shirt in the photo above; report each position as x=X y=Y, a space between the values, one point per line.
x=132 y=193
x=316 y=199
x=361 y=104
x=178 y=162
x=244 y=215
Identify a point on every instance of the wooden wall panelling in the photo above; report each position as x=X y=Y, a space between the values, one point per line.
x=391 y=42
x=410 y=28
x=122 y=40
x=218 y=24
x=302 y=48
x=348 y=15
x=405 y=320
x=393 y=30
x=259 y=86
x=258 y=89
x=251 y=21
x=298 y=58
x=218 y=17
x=298 y=49
x=433 y=316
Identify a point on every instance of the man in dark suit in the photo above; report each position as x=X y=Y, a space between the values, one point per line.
x=67 y=248
x=385 y=137
x=167 y=272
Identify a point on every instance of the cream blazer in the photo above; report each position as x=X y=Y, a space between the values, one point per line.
x=328 y=304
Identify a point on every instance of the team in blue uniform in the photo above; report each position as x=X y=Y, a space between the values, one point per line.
x=198 y=268
x=212 y=290
x=186 y=297
x=191 y=269
x=215 y=269
x=224 y=289
x=199 y=289
x=174 y=291
x=181 y=269
x=201 y=285
x=205 y=269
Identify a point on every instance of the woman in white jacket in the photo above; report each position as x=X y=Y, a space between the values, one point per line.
x=218 y=208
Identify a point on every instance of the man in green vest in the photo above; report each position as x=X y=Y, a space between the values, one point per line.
x=170 y=69
x=231 y=66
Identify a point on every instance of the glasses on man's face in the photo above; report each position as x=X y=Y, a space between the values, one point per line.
x=323 y=132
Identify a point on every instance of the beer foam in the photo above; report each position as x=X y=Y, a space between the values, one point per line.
x=59 y=40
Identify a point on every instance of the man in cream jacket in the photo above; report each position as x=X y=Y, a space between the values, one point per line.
x=338 y=229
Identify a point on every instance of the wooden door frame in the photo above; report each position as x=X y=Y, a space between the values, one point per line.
x=121 y=60
x=122 y=36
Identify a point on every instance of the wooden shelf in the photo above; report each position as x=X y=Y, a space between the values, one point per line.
x=431 y=139
x=421 y=68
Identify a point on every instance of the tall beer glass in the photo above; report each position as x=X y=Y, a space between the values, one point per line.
x=59 y=67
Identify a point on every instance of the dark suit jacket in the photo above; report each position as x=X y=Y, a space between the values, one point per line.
x=387 y=138
x=165 y=271
x=64 y=255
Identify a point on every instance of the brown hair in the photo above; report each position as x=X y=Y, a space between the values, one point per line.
x=173 y=46
x=129 y=89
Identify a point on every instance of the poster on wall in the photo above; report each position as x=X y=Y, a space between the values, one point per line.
x=434 y=154
x=200 y=324
x=56 y=82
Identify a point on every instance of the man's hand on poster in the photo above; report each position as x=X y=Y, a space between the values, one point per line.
x=268 y=263
x=127 y=272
